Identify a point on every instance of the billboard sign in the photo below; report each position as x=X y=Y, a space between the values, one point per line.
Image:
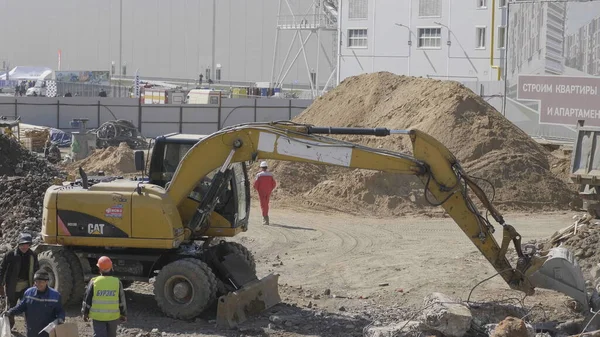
x=563 y=100
x=84 y=77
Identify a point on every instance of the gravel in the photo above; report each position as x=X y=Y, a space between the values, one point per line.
x=24 y=179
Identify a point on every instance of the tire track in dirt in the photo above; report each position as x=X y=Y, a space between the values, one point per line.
x=353 y=254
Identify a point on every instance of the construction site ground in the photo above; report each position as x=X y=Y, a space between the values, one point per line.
x=374 y=270
x=358 y=248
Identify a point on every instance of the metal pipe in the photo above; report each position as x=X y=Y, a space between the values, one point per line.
x=498 y=68
x=281 y=79
x=506 y=57
x=409 y=45
x=409 y=33
x=285 y=59
x=448 y=50
x=339 y=42
x=448 y=43
x=214 y=26
x=276 y=45
x=373 y=34
x=380 y=132
x=120 y=45
x=318 y=57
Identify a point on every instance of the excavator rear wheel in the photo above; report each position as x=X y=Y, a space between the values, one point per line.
x=61 y=278
x=185 y=288
x=78 y=278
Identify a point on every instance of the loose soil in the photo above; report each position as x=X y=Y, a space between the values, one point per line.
x=111 y=160
x=24 y=178
x=487 y=145
x=340 y=273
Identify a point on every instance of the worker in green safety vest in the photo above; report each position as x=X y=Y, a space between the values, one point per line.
x=104 y=301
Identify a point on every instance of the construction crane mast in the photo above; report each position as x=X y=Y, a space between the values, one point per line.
x=320 y=18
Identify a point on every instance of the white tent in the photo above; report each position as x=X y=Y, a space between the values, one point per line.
x=27 y=73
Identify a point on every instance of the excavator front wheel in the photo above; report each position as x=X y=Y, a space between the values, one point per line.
x=78 y=278
x=57 y=265
x=185 y=288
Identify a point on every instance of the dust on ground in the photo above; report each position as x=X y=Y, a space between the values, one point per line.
x=487 y=145
x=112 y=160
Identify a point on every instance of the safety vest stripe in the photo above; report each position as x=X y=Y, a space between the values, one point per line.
x=41 y=299
x=103 y=310
x=104 y=302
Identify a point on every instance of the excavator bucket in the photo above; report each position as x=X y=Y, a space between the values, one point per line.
x=253 y=298
x=561 y=272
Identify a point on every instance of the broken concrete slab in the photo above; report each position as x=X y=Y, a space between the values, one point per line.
x=446 y=315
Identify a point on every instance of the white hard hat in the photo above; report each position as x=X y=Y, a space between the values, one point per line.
x=263 y=164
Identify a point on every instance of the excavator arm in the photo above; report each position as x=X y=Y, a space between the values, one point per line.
x=431 y=162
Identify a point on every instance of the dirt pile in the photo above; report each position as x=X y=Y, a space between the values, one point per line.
x=111 y=160
x=15 y=160
x=24 y=178
x=485 y=142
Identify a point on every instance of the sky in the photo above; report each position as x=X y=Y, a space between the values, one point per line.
x=160 y=38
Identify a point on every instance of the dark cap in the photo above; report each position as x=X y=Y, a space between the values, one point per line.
x=41 y=275
x=25 y=238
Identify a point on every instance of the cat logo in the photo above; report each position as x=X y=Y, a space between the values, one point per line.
x=96 y=229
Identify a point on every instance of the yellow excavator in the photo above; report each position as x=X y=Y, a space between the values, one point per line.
x=166 y=233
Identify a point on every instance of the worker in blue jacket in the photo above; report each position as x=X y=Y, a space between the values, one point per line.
x=41 y=304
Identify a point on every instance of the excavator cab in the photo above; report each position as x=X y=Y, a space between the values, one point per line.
x=233 y=199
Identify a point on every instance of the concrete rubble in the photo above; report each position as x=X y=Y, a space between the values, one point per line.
x=445 y=316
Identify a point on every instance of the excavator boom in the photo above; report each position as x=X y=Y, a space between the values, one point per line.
x=438 y=169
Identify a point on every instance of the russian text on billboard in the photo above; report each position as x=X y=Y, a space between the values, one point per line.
x=563 y=100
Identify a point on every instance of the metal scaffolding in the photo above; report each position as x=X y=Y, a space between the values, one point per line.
x=321 y=17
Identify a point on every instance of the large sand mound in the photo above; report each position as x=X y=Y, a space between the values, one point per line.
x=111 y=160
x=486 y=143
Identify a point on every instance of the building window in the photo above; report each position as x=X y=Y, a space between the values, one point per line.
x=481 y=4
x=501 y=3
x=357 y=38
x=430 y=8
x=430 y=38
x=501 y=37
x=358 y=9
x=480 y=36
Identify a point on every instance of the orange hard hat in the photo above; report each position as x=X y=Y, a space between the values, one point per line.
x=104 y=263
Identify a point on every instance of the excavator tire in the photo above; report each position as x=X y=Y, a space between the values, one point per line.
x=238 y=249
x=184 y=282
x=78 y=278
x=56 y=264
x=219 y=284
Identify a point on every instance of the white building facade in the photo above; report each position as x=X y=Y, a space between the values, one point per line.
x=462 y=40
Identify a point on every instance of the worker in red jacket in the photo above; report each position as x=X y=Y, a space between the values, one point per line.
x=265 y=184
